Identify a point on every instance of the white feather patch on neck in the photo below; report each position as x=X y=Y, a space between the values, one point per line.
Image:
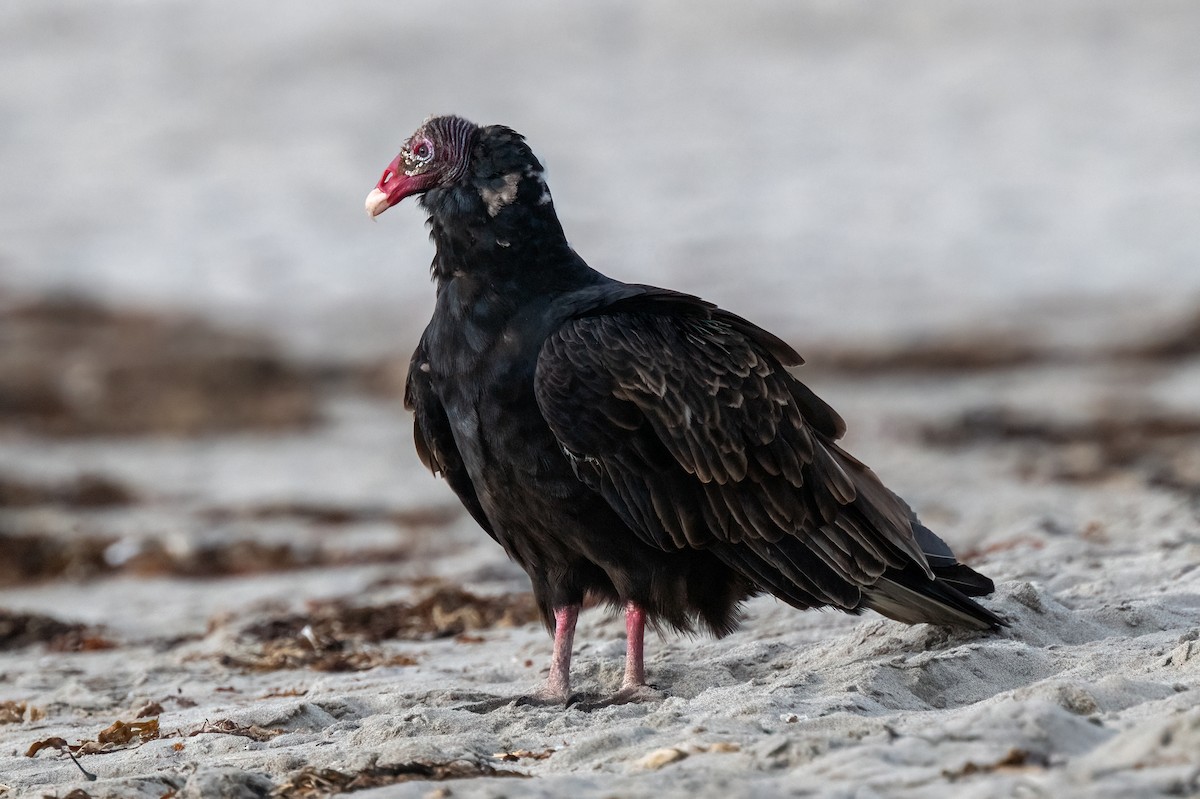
x=498 y=198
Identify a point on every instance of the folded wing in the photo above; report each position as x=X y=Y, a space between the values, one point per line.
x=686 y=420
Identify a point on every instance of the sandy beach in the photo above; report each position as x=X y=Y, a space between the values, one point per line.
x=224 y=572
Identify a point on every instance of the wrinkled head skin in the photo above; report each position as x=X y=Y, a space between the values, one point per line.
x=437 y=154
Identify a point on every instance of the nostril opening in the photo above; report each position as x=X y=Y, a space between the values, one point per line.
x=387 y=175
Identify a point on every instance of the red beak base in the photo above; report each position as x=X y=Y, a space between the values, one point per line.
x=393 y=187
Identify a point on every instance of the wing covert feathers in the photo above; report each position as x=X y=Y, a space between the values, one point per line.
x=692 y=429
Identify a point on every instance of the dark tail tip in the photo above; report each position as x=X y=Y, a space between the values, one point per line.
x=909 y=596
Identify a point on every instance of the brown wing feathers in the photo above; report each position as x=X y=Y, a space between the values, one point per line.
x=698 y=436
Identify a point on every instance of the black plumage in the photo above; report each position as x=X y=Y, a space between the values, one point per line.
x=632 y=443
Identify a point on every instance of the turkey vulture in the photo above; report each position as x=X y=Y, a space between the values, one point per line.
x=630 y=443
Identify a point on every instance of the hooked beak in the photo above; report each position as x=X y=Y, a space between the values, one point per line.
x=377 y=203
x=393 y=187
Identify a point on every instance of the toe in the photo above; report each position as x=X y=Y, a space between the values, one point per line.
x=627 y=695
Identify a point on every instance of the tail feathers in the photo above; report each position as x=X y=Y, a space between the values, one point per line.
x=942 y=561
x=964 y=579
x=909 y=596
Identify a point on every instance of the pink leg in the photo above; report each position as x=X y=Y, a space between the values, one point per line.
x=633 y=687
x=558 y=684
x=635 y=632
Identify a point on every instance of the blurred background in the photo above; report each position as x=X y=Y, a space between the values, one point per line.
x=840 y=170
x=959 y=212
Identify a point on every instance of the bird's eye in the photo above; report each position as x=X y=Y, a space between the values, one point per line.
x=417 y=155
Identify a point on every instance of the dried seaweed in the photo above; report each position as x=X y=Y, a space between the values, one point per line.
x=1014 y=761
x=69 y=367
x=12 y=712
x=971 y=352
x=46 y=743
x=35 y=558
x=230 y=727
x=131 y=734
x=19 y=630
x=32 y=558
x=337 y=636
x=116 y=736
x=311 y=783
x=1178 y=341
x=300 y=654
x=149 y=709
x=1122 y=430
x=523 y=754
x=85 y=491
x=448 y=611
x=336 y=515
x=1158 y=447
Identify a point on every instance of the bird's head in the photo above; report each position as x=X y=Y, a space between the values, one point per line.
x=461 y=168
x=438 y=154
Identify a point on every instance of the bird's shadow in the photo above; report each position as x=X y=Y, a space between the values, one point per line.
x=586 y=701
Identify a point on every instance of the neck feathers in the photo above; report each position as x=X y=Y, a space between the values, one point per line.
x=498 y=220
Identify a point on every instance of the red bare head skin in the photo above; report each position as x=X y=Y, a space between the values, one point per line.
x=438 y=154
